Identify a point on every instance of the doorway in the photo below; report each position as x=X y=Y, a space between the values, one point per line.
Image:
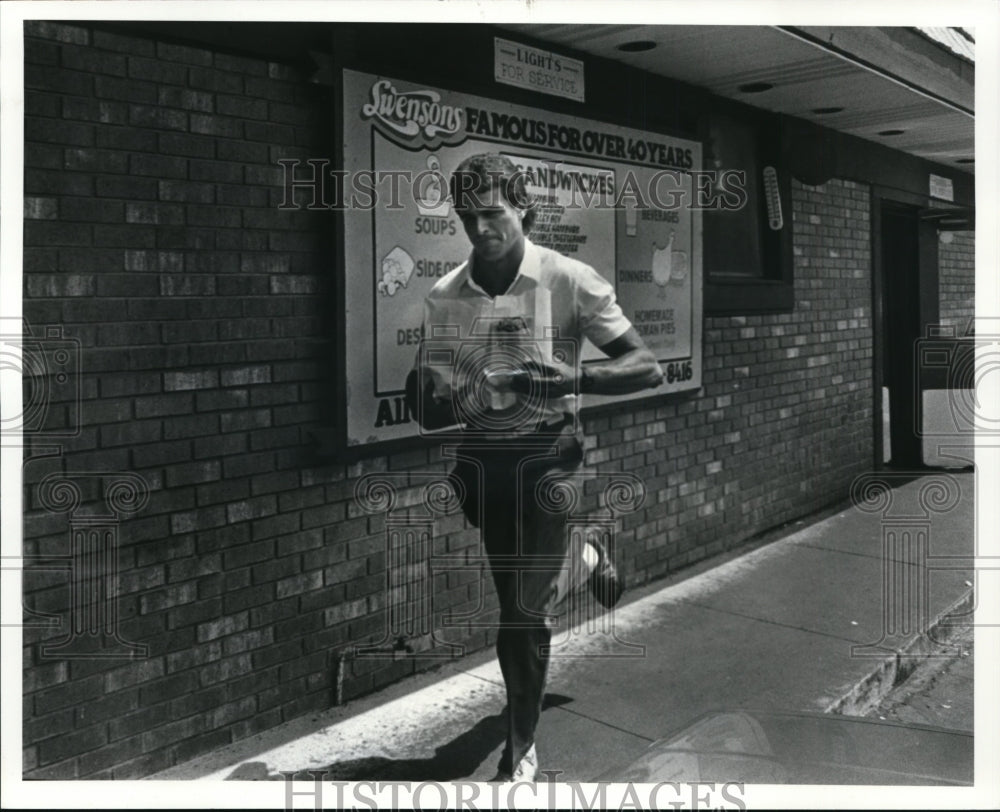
x=899 y=304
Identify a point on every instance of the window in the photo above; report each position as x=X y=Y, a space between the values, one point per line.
x=747 y=248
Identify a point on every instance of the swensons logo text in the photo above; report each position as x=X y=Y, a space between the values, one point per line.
x=412 y=113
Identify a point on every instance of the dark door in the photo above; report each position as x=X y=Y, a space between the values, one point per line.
x=900 y=255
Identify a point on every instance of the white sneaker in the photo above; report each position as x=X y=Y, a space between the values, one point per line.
x=527 y=767
x=526 y=770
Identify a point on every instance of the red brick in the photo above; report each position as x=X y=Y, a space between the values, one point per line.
x=152 y=693
x=198 y=702
x=207 y=79
x=156 y=70
x=58 y=80
x=44 y=727
x=59 y=32
x=111 y=706
x=245 y=598
x=91 y=60
x=247 y=641
x=58 y=132
x=183 y=54
x=110 y=756
x=62 y=747
x=223 y=626
x=124 y=90
x=256 y=723
x=198 y=745
x=142 y=766
x=68 y=693
x=186 y=99
x=64 y=770
x=47 y=233
x=185 y=191
x=216 y=125
x=170 y=733
x=205 y=608
x=226 y=669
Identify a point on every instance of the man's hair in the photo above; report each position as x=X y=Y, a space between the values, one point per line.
x=478 y=176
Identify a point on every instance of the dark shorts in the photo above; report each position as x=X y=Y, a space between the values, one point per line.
x=492 y=476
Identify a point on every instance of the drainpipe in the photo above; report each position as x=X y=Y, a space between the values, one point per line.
x=349 y=653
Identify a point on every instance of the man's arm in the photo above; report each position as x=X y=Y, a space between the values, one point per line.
x=630 y=367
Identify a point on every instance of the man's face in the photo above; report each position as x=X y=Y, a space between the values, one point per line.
x=492 y=225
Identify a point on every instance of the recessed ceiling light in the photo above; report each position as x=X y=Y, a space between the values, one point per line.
x=966 y=161
x=825 y=111
x=637 y=45
x=755 y=87
x=891 y=132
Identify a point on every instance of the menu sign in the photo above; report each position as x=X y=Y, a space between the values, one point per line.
x=617 y=199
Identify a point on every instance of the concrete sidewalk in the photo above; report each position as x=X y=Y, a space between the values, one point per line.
x=800 y=624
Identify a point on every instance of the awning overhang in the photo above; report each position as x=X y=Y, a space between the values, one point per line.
x=893 y=86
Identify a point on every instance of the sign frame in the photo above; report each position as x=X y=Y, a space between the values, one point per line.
x=544 y=76
x=353 y=440
x=940 y=188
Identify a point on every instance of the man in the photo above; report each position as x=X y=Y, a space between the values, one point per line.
x=515 y=394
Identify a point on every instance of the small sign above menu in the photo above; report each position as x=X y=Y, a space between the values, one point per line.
x=532 y=68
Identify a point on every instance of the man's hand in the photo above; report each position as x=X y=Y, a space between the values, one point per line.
x=630 y=367
x=550 y=379
x=430 y=412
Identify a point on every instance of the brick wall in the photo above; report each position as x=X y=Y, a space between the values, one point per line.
x=152 y=236
x=784 y=420
x=957 y=279
x=203 y=314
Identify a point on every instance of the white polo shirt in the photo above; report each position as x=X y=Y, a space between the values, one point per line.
x=553 y=303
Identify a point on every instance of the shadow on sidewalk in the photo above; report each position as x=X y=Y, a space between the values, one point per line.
x=453 y=760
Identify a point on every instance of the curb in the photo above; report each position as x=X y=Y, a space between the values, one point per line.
x=897 y=666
